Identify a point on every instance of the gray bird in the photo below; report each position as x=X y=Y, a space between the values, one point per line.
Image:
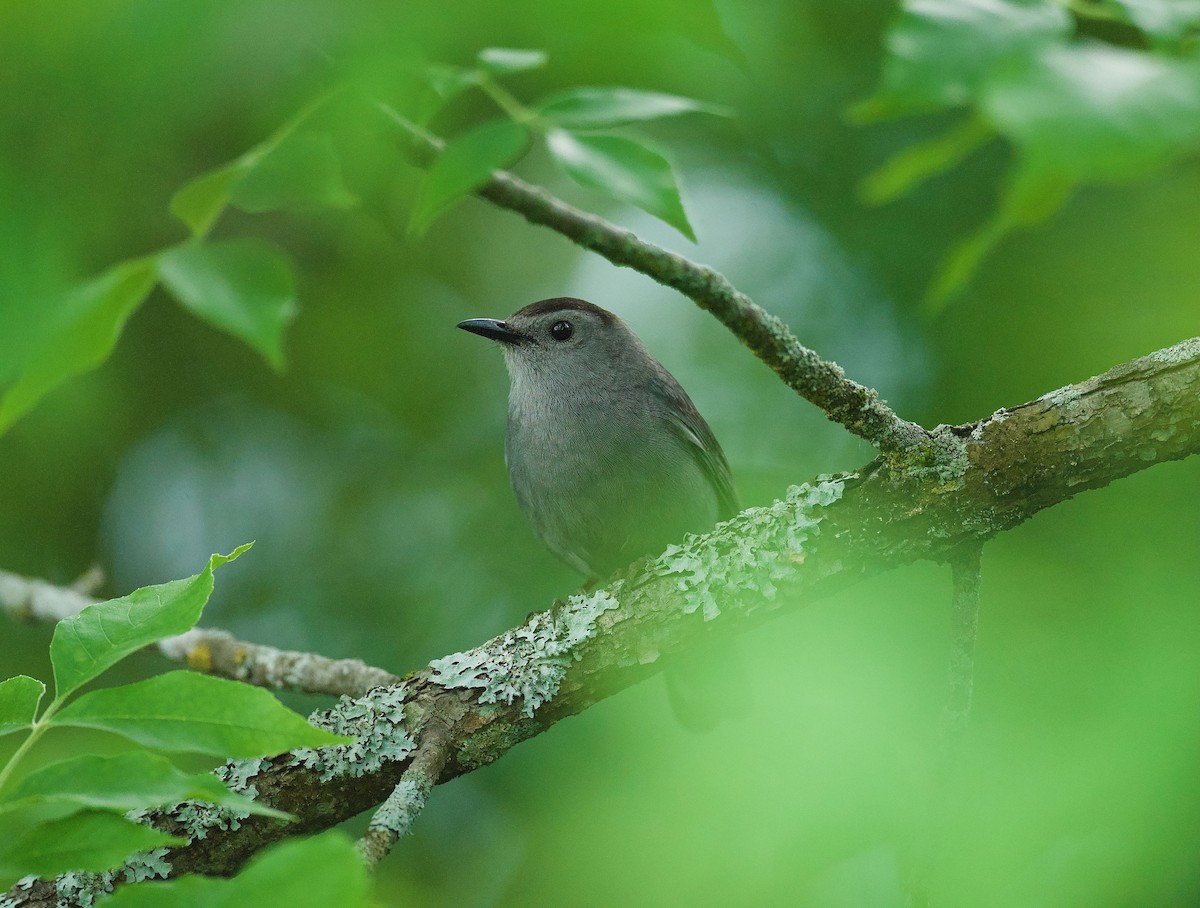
x=608 y=456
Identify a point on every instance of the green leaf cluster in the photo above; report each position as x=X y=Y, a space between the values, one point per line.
x=71 y=815
x=242 y=286
x=245 y=287
x=615 y=165
x=1077 y=110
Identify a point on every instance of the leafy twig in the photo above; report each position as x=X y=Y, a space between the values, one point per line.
x=823 y=383
x=212 y=651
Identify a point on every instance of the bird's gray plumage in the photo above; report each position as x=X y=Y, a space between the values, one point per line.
x=609 y=458
x=607 y=454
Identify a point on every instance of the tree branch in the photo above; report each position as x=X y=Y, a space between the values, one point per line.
x=212 y=651
x=985 y=478
x=823 y=383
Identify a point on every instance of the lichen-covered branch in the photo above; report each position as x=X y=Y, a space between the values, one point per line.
x=980 y=480
x=819 y=381
x=395 y=817
x=214 y=652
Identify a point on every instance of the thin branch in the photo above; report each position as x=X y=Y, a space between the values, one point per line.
x=395 y=817
x=212 y=651
x=964 y=625
x=819 y=381
x=989 y=477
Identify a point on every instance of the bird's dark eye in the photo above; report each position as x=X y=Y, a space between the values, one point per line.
x=561 y=331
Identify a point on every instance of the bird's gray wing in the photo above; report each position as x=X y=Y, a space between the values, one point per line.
x=699 y=440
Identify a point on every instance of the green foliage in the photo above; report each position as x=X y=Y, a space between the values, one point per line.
x=1077 y=110
x=90 y=840
x=188 y=712
x=604 y=108
x=69 y=815
x=464 y=165
x=617 y=166
x=19 y=699
x=244 y=287
x=80 y=335
x=503 y=61
x=103 y=634
x=622 y=168
x=311 y=873
x=134 y=780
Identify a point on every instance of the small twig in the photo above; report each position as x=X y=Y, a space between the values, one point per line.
x=395 y=817
x=823 y=383
x=218 y=652
x=212 y=651
x=928 y=842
x=964 y=624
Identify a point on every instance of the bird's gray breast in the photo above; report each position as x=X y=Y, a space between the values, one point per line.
x=603 y=485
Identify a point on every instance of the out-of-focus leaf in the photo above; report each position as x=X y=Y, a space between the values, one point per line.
x=501 y=61
x=1096 y=113
x=185 y=711
x=199 y=202
x=939 y=50
x=301 y=173
x=918 y=162
x=598 y=108
x=624 y=169
x=134 y=780
x=19 y=699
x=445 y=83
x=85 y=330
x=243 y=287
x=1166 y=20
x=1031 y=196
x=92 y=840
x=103 y=634
x=464 y=165
x=310 y=873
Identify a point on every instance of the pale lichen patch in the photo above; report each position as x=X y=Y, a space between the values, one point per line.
x=749 y=552
x=529 y=662
x=375 y=720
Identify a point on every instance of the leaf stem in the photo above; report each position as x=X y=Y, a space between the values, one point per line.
x=39 y=726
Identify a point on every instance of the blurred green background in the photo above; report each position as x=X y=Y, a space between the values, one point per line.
x=371 y=472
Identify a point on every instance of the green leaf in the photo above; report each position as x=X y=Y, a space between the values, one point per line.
x=185 y=711
x=200 y=201
x=243 y=287
x=19 y=699
x=135 y=780
x=105 y=633
x=1030 y=197
x=918 y=162
x=624 y=169
x=85 y=330
x=445 y=83
x=502 y=61
x=92 y=840
x=308 y=873
x=1096 y=113
x=464 y=165
x=599 y=108
x=1165 y=20
x=939 y=50
x=300 y=173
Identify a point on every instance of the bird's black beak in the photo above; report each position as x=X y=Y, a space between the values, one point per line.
x=493 y=329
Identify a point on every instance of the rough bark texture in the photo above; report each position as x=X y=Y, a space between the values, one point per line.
x=978 y=480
